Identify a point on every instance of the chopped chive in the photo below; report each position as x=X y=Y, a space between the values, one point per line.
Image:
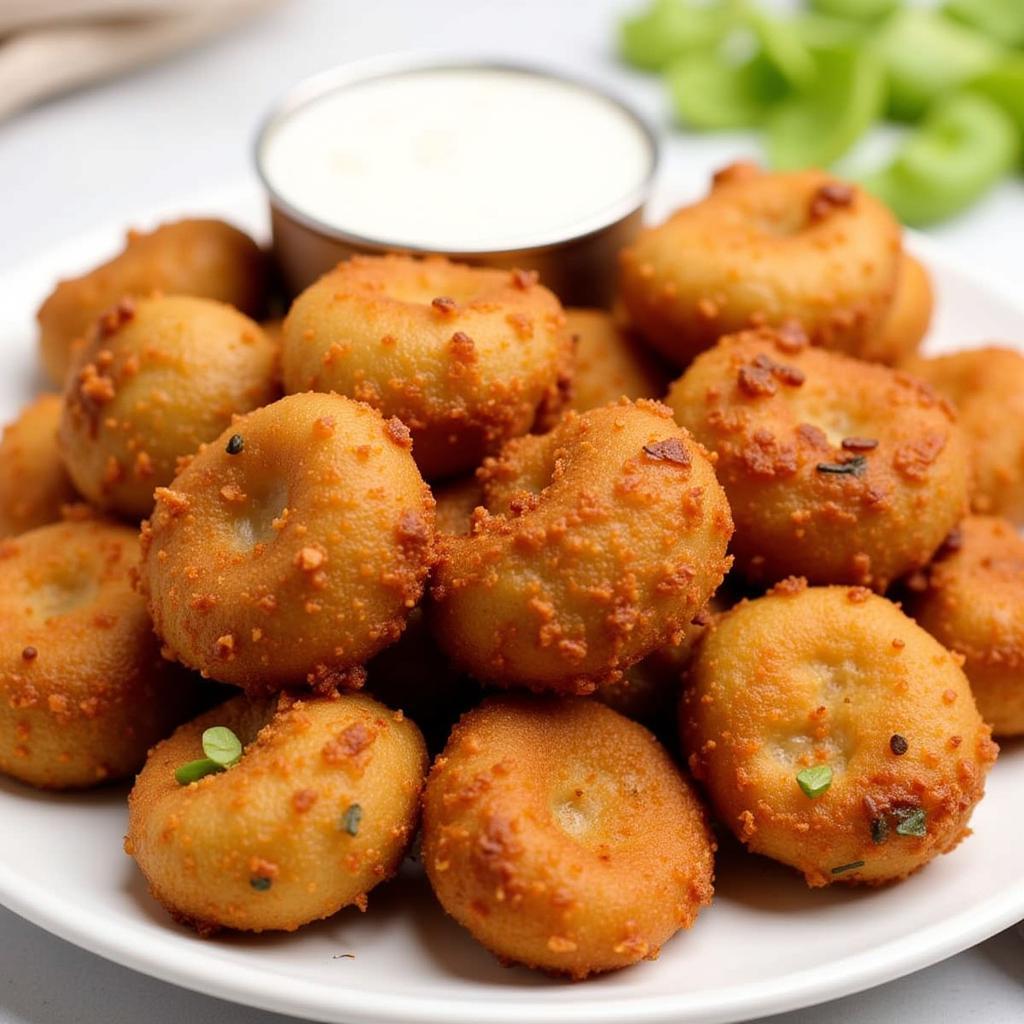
x=852 y=866
x=196 y=770
x=221 y=745
x=815 y=781
x=260 y=883
x=236 y=443
x=879 y=830
x=351 y=818
x=851 y=467
x=911 y=822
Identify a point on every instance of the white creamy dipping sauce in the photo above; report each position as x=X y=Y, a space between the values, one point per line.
x=467 y=159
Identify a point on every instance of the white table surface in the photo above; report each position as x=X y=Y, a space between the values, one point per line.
x=186 y=126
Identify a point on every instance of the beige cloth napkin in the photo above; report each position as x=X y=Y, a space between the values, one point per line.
x=51 y=46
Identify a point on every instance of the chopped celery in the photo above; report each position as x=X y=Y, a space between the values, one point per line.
x=926 y=55
x=858 y=10
x=785 y=49
x=821 y=30
x=818 y=125
x=1004 y=85
x=964 y=146
x=653 y=38
x=710 y=92
x=1001 y=20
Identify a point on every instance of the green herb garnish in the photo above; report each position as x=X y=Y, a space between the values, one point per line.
x=351 y=818
x=851 y=467
x=815 y=781
x=221 y=745
x=222 y=749
x=260 y=883
x=196 y=770
x=852 y=866
x=911 y=822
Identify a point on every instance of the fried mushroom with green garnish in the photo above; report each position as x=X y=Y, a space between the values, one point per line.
x=84 y=692
x=837 y=470
x=466 y=357
x=833 y=734
x=205 y=258
x=563 y=836
x=158 y=377
x=764 y=249
x=34 y=486
x=971 y=599
x=312 y=806
x=293 y=548
x=597 y=544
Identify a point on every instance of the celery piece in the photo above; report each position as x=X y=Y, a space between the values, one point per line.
x=926 y=55
x=1004 y=85
x=857 y=10
x=963 y=147
x=823 y=31
x=1001 y=20
x=815 y=127
x=710 y=92
x=653 y=38
x=785 y=49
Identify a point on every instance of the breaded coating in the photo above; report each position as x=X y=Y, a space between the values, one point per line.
x=987 y=387
x=833 y=734
x=466 y=357
x=971 y=599
x=600 y=543
x=610 y=362
x=205 y=258
x=908 y=319
x=319 y=809
x=837 y=470
x=456 y=503
x=764 y=249
x=563 y=836
x=159 y=377
x=34 y=486
x=84 y=692
x=291 y=549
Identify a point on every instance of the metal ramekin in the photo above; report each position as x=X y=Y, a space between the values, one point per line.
x=579 y=268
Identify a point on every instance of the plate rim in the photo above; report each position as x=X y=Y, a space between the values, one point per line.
x=185 y=966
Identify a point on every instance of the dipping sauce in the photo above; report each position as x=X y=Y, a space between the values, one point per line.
x=465 y=159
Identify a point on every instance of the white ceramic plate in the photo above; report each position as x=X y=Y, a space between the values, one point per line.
x=767 y=944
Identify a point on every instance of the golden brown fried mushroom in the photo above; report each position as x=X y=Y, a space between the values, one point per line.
x=610 y=362
x=563 y=836
x=605 y=538
x=764 y=249
x=34 y=486
x=833 y=734
x=159 y=377
x=205 y=258
x=908 y=319
x=318 y=810
x=84 y=692
x=838 y=470
x=973 y=603
x=293 y=548
x=466 y=357
x=987 y=387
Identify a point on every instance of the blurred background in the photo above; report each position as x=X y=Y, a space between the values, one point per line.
x=194 y=78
